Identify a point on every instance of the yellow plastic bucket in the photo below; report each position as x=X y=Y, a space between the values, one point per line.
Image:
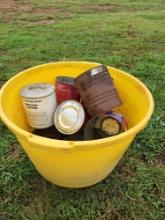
x=75 y=163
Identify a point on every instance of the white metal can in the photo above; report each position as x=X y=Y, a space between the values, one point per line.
x=69 y=117
x=39 y=102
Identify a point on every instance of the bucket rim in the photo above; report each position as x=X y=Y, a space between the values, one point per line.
x=57 y=144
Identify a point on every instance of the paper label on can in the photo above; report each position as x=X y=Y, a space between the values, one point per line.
x=40 y=111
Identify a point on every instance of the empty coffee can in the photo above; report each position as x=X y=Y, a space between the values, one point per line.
x=69 y=117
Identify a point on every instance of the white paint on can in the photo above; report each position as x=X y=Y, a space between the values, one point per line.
x=39 y=102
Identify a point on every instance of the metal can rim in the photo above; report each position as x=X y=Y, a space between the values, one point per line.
x=31 y=97
x=55 y=118
x=58 y=79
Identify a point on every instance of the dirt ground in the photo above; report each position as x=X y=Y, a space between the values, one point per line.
x=12 y=10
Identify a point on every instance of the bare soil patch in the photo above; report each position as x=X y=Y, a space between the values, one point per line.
x=41 y=11
x=161 y=158
x=15 y=151
x=2 y=51
x=7 y=4
x=11 y=10
x=43 y=21
x=126 y=171
x=103 y=7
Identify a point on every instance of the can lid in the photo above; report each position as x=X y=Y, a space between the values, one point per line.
x=37 y=90
x=120 y=118
x=110 y=126
x=69 y=117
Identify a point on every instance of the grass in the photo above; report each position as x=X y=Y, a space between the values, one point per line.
x=122 y=33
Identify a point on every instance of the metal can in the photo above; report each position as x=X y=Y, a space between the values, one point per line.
x=69 y=117
x=39 y=102
x=97 y=90
x=90 y=132
x=107 y=126
x=120 y=118
x=65 y=89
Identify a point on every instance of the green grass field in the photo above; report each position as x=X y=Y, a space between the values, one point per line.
x=127 y=34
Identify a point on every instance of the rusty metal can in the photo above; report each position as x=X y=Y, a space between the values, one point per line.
x=69 y=117
x=107 y=126
x=39 y=102
x=97 y=90
x=65 y=89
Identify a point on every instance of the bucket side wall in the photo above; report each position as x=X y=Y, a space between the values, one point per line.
x=79 y=168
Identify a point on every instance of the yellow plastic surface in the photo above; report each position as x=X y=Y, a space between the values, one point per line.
x=75 y=163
